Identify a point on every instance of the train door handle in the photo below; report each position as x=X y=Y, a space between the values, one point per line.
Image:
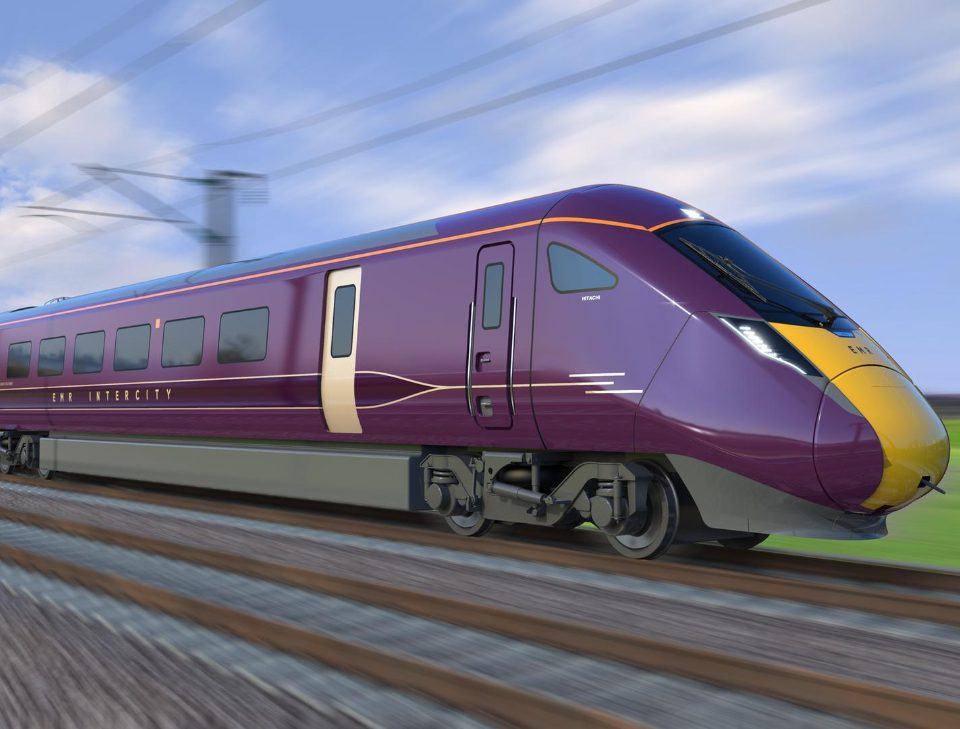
x=483 y=358
x=485 y=406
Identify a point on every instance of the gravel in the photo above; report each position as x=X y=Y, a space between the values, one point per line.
x=908 y=654
x=61 y=672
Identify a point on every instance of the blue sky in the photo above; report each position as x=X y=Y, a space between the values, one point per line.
x=831 y=137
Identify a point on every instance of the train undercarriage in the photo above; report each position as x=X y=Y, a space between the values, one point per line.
x=639 y=504
x=21 y=450
x=642 y=503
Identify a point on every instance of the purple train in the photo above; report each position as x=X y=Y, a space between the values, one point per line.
x=603 y=354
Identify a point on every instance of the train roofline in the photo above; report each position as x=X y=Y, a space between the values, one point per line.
x=503 y=216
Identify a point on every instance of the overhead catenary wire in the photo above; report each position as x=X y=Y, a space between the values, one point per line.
x=127 y=20
x=524 y=42
x=425 y=82
x=497 y=103
x=126 y=73
x=546 y=87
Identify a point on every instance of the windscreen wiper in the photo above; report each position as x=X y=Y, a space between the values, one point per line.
x=736 y=274
x=719 y=264
x=830 y=314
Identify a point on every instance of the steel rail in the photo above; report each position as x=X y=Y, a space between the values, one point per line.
x=857 y=570
x=860 y=598
x=457 y=689
x=884 y=705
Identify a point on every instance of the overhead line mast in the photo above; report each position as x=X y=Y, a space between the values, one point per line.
x=217 y=236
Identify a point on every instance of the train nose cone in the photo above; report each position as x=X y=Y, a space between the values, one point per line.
x=913 y=443
x=847 y=452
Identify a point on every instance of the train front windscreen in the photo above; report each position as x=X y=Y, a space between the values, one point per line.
x=772 y=290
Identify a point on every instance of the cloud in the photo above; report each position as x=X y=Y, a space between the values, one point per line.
x=112 y=131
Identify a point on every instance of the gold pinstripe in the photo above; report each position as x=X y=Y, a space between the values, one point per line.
x=344 y=259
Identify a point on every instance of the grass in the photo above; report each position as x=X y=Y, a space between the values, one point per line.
x=927 y=532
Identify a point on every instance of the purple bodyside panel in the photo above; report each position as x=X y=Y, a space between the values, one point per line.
x=617 y=336
x=624 y=332
x=716 y=400
x=280 y=393
x=847 y=454
x=414 y=315
x=642 y=367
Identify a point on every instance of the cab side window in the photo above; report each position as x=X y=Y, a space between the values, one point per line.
x=572 y=271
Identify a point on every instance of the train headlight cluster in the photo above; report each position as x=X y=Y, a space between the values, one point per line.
x=768 y=343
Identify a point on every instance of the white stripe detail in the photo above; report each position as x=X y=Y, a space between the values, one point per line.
x=156 y=382
x=601 y=374
x=614 y=392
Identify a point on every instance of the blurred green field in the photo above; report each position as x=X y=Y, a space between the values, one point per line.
x=928 y=532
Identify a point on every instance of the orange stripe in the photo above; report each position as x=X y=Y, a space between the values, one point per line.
x=597 y=221
x=277 y=272
x=341 y=259
x=671 y=222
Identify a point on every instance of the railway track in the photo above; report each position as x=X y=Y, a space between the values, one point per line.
x=458 y=690
x=819 y=581
x=876 y=704
x=870 y=701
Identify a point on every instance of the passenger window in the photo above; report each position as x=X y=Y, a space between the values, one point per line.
x=182 y=342
x=18 y=359
x=492 y=295
x=88 y=353
x=572 y=271
x=243 y=336
x=132 y=350
x=344 y=305
x=51 y=356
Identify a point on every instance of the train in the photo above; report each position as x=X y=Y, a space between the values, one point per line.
x=604 y=355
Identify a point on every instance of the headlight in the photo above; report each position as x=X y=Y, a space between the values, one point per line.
x=766 y=342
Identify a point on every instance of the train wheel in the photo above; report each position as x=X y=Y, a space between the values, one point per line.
x=6 y=466
x=660 y=528
x=469 y=525
x=45 y=473
x=743 y=543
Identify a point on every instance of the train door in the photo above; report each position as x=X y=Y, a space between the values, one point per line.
x=490 y=347
x=338 y=371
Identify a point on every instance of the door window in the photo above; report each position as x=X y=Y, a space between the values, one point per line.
x=492 y=295
x=344 y=304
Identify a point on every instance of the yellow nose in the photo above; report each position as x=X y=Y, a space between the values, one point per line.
x=914 y=441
